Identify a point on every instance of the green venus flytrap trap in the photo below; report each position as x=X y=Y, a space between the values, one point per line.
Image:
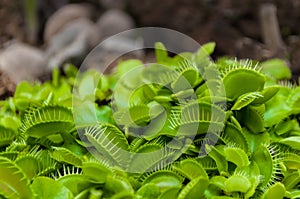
x=184 y=127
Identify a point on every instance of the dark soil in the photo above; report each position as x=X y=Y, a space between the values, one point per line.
x=233 y=24
x=7 y=87
x=11 y=21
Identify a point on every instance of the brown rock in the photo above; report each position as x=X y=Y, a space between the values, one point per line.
x=63 y=16
x=74 y=41
x=114 y=21
x=247 y=48
x=22 y=62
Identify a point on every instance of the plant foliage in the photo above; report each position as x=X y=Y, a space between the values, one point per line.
x=184 y=127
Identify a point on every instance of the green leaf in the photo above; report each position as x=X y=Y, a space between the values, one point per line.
x=110 y=142
x=7 y=136
x=293 y=193
x=86 y=84
x=133 y=117
x=267 y=94
x=286 y=126
x=293 y=142
x=161 y=53
x=252 y=173
x=245 y=100
x=252 y=118
x=150 y=157
x=47 y=120
x=148 y=191
x=242 y=80
x=170 y=193
x=62 y=154
x=291 y=160
x=11 y=122
x=267 y=165
x=256 y=140
x=278 y=108
x=116 y=185
x=127 y=65
x=159 y=74
x=291 y=180
x=194 y=189
x=237 y=183
x=123 y=194
x=164 y=180
x=197 y=117
x=276 y=191
x=104 y=114
x=202 y=55
x=236 y=156
x=45 y=187
x=143 y=94
x=218 y=182
x=187 y=78
x=277 y=68
x=191 y=169
x=234 y=135
x=96 y=172
x=294 y=100
x=13 y=181
x=76 y=183
x=29 y=164
x=208 y=47
x=218 y=157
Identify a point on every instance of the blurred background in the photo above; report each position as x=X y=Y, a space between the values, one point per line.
x=37 y=35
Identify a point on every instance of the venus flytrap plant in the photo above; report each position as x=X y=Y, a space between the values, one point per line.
x=167 y=130
x=14 y=183
x=7 y=136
